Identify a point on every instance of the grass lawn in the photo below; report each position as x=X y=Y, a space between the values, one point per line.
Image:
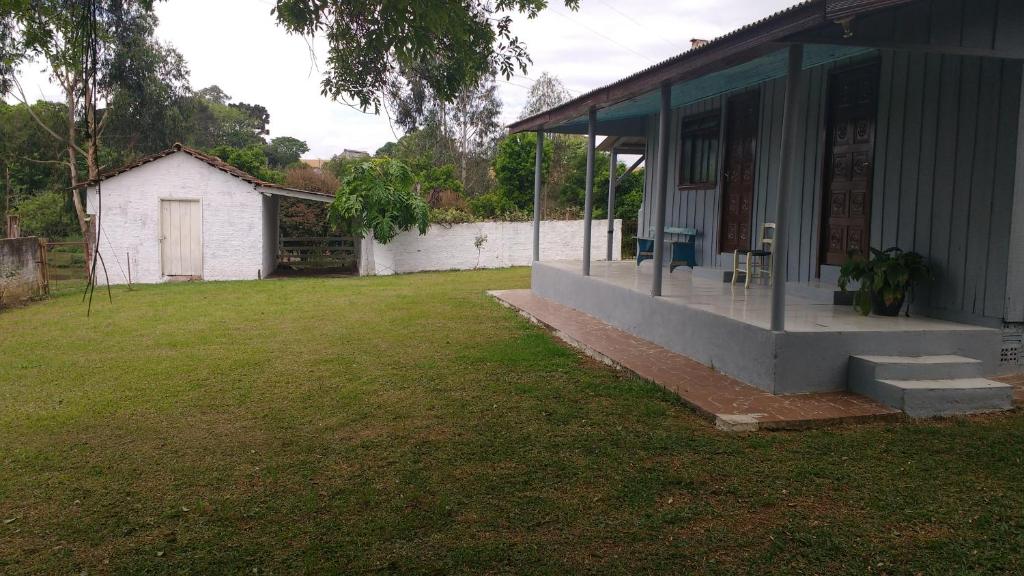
x=412 y=425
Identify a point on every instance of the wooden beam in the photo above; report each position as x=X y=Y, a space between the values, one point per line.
x=640 y=160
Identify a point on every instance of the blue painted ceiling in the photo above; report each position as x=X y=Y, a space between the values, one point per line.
x=627 y=118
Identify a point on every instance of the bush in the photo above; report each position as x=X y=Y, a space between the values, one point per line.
x=450 y=216
x=46 y=215
x=378 y=196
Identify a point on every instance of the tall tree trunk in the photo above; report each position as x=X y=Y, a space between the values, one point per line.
x=83 y=218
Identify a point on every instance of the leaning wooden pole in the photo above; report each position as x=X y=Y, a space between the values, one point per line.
x=789 y=132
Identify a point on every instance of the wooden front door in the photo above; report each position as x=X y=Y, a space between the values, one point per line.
x=846 y=219
x=181 y=238
x=738 y=176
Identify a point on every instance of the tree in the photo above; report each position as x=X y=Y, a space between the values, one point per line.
x=80 y=43
x=379 y=197
x=149 y=110
x=456 y=43
x=27 y=165
x=628 y=193
x=514 y=166
x=284 y=151
x=44 y=215
x=462 y=132
x=546 y=92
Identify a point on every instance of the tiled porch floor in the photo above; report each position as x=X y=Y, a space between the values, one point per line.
x=732 y=404
x=753 y=305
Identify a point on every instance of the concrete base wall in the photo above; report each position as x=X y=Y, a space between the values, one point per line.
x=21 y=258
x=781 y=363
x=740 y=350
x=501 y=244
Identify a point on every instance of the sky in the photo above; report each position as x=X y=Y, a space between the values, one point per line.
x=237 y=45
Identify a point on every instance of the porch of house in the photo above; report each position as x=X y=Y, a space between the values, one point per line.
x=728 y=327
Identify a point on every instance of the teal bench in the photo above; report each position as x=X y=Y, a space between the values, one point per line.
x=682 y=249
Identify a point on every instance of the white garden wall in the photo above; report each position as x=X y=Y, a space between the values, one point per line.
x=504 y=244
x=232 y=219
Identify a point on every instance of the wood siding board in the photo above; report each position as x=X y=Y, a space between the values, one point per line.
x=912 y=23
x=1010 y=26
x=812 y=128
x=945 y=175
x=911 y=161
x=945 y=22
x=894 y=150
x=926 y=171
x=967 y=121
x=774 y=154
x=1002 y=191
x=980 y=211
x=881 y=145
x=1015 y=262
x=979 y=17
x=763 y=139
x=796 y=199
x=877 y=26
x=819 y=176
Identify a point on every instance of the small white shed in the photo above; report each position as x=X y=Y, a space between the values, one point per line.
x=183 y=214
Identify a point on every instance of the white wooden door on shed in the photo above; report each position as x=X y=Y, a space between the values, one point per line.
x=181 y=238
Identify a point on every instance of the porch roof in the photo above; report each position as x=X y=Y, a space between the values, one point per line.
x=628 y=118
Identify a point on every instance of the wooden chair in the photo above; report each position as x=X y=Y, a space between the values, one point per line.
x=758 y=263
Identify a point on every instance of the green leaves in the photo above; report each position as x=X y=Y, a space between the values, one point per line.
x=379 y=197
x=888 y=274
x=454 y=42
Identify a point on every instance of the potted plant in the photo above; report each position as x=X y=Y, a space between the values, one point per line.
x=885 y=278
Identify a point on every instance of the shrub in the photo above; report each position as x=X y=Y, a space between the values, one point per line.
x=378 y=196
x=450 y=216
x=46 y=215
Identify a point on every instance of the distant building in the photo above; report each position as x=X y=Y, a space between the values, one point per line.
x=318 y=163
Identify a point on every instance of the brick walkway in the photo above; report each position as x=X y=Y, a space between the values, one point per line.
x=732 y=405
x=1017 y=381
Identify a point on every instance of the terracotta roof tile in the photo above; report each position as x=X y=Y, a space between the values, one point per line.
x=198 y=155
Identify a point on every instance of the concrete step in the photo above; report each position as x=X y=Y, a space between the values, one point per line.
x=929 y=398
x=937 y=367
x=925 y=386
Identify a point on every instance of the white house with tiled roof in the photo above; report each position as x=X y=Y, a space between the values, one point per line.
x=181 y=214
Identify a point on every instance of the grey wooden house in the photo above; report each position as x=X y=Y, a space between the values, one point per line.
x=846 y=124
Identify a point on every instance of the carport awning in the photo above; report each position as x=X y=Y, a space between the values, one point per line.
x=272 y=190
x=629 y=117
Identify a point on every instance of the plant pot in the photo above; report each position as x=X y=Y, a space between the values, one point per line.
x=879 y=307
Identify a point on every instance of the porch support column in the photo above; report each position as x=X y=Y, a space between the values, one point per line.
x=789 y=131
x=537 y=181
x=661 y=185
x=588 y=204
x=614 y=163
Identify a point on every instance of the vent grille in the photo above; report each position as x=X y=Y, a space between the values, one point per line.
x=1012 y=351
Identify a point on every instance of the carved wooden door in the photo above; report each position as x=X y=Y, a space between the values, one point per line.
x=738 y=177
x=846 y=225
